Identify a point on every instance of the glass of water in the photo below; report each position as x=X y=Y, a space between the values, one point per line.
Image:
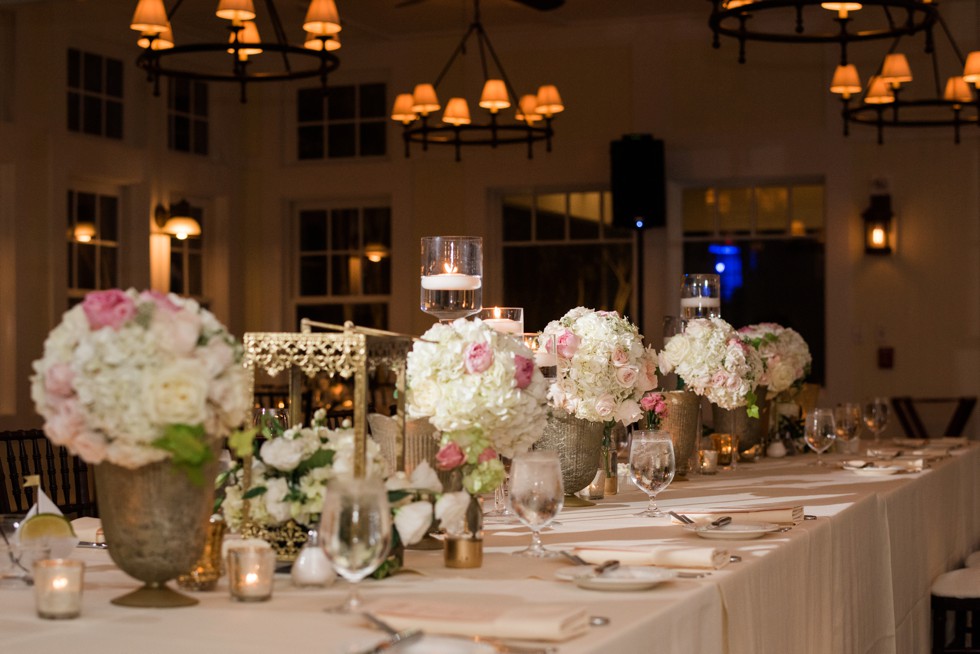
x=652 y=466
x=876 y=415
x=536 y=495
x=820 y=431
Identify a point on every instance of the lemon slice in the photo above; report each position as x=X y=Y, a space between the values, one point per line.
x=46 y=525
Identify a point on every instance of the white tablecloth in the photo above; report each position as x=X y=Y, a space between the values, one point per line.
x=856 y=579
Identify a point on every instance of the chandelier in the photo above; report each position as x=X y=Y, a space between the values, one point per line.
x=162 y=56
x=953 y=102
x=792 y=21
x=415 y=110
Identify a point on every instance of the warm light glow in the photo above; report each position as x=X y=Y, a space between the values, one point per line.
x=251 y=579
x=84 y=232
x=878 y=91
x=450 y=268
x=957 y=90
x=375 y=252
x=59 y=583
x=402 y=109
x=846 y=81
x=182 y=227
x=494 y=96
x=315 y=42
x=163 y=41
x=150 y=17
x=235 y=10
x=425 y=100
x=526 y=109
x=895 y=69
x=735 y=4
x=549 y=102
x=457 y=112
x=971 y=71
x=248 y=34
x=496 y=313
x=322 y=18
x=878 y=237
x=841 y=7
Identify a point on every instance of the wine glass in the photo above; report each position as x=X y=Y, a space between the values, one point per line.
x=271 y=422
x=876 y=415
x=355 y=527
x=847 y=419
x=536 y=495
x=16 y=558
x=452 y=276
x=652 y=466
x=820 y=431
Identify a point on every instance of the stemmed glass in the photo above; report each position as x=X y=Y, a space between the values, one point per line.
x=536 y=495
x=847 y=419
x=355 y=528
x=16 y=559
x=652 y=466
x=876 y=415
x=820 y=432
x=452 y=276
x=270 y=421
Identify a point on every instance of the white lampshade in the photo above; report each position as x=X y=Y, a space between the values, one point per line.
x=846 y=80
x=84 y=231
x=957 y=90
x=317 y=42
x=526 y=109
x=150 y=17
x=163 y=40
x=424 y=99
x=402 y=109
x=494 y=96
x=457 y=112
x=878 y=91
x=895 y=69
x=971 y=71
x=235 y=10
x=322 y=18
x=549 y=102
x=249 y=33
x=182 y=227
x=841 y=7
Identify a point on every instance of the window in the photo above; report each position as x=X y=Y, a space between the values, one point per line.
x=186 y=260
x=577 y=257
x=187 y=116
x=95 y=93
x=344 y=268
x=92 y=264
x=346 y=121
x=766 y=242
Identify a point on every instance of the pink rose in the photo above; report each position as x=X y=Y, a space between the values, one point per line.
x=605 y=406
x=567 y=344
x=91 y=448
x=620 y=357
x=66 y=423
x=649 y=402
x=57 y=380
x=111 y=308
x=523 y=371
x=626 y=376
x=163 y=301
x=488 y=454
x=450 y=456
x=477 y=357
x=176 y=331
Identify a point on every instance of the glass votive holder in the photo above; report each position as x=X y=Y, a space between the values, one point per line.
x=58 y=588
x=726 y=445
x=709 y=461
x=506 y=320
x=700 y=296
x=250 y=573
x=545 y=354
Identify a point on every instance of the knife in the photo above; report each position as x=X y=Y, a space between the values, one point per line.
x=395 y=641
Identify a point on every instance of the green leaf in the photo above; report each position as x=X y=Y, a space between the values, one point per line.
x=188 y=449
x=254 y=492
x=318 y=459
x=240 y=441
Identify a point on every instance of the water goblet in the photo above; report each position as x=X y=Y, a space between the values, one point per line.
x=875 y=413
x=356 y=530
x=16 y=558
x=536 y=495
x=271 y=421
x=651 y=466
x=820 y=432
x=847 y=420
x=452 y=276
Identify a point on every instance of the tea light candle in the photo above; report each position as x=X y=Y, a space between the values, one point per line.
x=58 y=588
x=701 y=302
x=250 y=573
x=451 y=282
x=709 y=461
x=506 y=320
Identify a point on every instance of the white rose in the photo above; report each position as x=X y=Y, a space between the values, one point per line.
x=413 y=521
x=176 y=393
x=275 y=493
x=425 y=478
x=605 y=406
x=451 y=511
x=781 y=377
x=282 y=453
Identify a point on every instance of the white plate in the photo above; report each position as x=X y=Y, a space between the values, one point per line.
x=734 y=530
x=877 y=471
x=624 y=578
x=432 y=644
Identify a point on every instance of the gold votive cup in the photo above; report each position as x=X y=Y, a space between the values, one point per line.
x=250 y=573
x=207 y=570
x=58 y=588
x=726 y=445
x=463 y=552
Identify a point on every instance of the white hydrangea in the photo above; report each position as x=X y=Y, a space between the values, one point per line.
x=784 y=352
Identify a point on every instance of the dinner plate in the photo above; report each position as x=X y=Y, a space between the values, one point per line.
x=433 y=644
x=624 y=578
x=877 y=471
x=734 y=530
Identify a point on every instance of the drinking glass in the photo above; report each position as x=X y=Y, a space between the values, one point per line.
x=356 y=530
x=876 y=415
x=545 y=354
x=16 y=559
x=452 y=276
x=700 y=296
x=271 y=422
x=652 y=466
x=536 y=495
x=506 y=320
x=847 y=419
x=820 y=431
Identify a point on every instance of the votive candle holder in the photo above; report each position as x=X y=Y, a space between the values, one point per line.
x=58 y=588
x=250 y=573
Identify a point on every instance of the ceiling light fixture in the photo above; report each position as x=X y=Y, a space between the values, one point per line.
x=953 y=102
x=162 y=56
x=791 y=21
x=178 y=221
x=414 y=110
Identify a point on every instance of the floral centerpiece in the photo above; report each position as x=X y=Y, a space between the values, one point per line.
x=654 y=407
x=714 y=362
x=784 y=352
x=481 y=389
x=134 y=378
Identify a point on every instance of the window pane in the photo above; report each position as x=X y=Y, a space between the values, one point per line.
x=313 y=231
x=200 y=99
x=341 y=101
x=699 y=211
x=92 y=72
x=176 y=269
x=113 y=120
x=374 y=104
x=340 y=141
x=74 y=68
x=373 y=139
x=108 y=275
x=583 y=212
x=309 y=142
x=340 y=278
x=377 y=225
x=517 y=218
x=114 y=78
x=808 y=206
x=772 y=209
x=108 y=213
x=734 y=210
x=91 y=115
x=309 y=105
x=86 y=265
x=550 y=217
x=195 y=274
x=343 y=230
x=200 y=137
x=85 y=209
x=366 y=314
x=74 y=112
x=313 y=275
x=180 y=91
x=180 y=133
x=377 y=276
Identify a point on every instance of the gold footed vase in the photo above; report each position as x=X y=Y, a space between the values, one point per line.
x=683 y=422
x=578 y=444
x=751 y=432
x=155 y=522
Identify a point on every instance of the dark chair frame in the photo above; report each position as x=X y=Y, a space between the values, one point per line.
x=65 y=478
x=912 y=425
x=966 y=623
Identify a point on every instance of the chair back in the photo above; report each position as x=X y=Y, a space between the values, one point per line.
x=65 y=478
x=909 y=411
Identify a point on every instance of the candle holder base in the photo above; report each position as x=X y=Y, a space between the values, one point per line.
x=574 y=501
x=158 y=596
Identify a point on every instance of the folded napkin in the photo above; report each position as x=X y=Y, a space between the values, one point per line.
x=778 y=514
x=553 y=622
x=663 y=555
x=88 y=529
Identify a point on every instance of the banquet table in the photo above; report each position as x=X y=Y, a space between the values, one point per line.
x=855 y=578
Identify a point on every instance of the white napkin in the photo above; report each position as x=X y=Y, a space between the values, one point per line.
x=663 y=555
x=552 y=622
x=779 y=514
x=88 y=529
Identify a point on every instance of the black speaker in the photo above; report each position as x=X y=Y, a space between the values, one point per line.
x=639 y=189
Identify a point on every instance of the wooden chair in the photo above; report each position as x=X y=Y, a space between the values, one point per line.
x=911 y=421
x=65 y=478
x=955 y=603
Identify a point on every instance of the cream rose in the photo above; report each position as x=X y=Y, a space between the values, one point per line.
x=176 y=393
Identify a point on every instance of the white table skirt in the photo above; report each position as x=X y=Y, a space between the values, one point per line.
x=856 y=579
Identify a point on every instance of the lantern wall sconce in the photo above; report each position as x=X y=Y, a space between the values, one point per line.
x=177 y=221
x=879 y=237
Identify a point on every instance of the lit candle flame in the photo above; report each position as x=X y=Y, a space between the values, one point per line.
x=878 y=237
x=59 y=583
x=251 y=579
x=496 y=312
x=450 y=267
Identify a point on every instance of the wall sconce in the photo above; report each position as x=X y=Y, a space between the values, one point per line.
x=177 y=221
x=878 y=237
x=84 y=231
x=375 y=252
